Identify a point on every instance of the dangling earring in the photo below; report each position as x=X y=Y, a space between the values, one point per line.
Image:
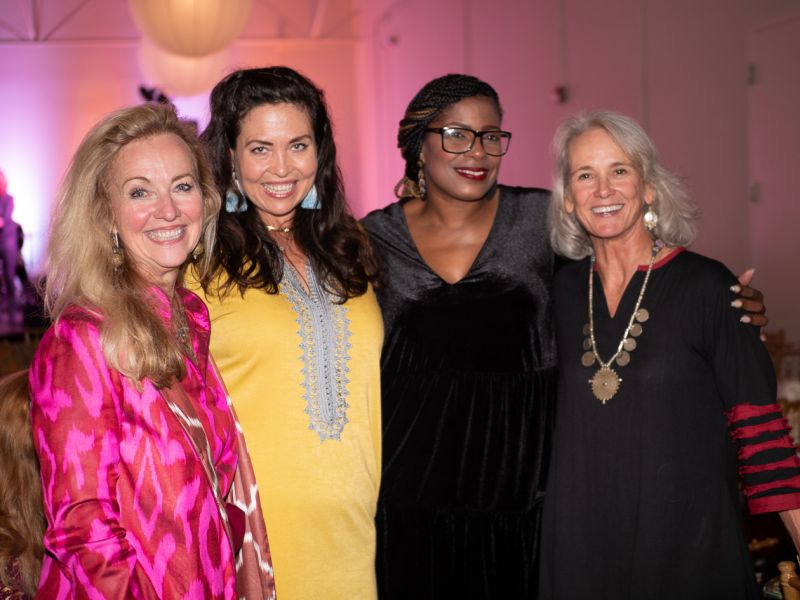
x=198 y=251
x=422 y=185
x=236 y=181
x=311 y=201
x=234 y=202
x=650 y=218
x=117 y=257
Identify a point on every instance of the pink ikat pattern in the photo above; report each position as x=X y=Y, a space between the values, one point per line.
x=130 y=511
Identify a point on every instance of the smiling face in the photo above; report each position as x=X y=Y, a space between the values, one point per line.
x=469 y=176
x=157 y=206
x=605 y=190
x=276 y=160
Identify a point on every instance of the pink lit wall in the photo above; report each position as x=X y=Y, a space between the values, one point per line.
x=680 y=67
x=774 y=49
x=52 y=93
x=49 y=97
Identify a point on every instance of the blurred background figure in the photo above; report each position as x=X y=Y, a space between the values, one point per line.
x=9 y=253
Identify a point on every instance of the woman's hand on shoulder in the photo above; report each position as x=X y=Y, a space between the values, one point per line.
x=750 y=300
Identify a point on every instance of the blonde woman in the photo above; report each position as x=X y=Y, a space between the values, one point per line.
x=136 y=440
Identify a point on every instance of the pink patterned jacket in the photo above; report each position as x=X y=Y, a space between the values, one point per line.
x=129 y=508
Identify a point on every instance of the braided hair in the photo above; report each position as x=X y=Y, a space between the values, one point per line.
x=434 y=97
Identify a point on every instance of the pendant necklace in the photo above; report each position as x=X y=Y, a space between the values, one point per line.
x=182 y=330
x=605 y=382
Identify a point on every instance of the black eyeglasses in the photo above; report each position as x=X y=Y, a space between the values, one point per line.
x=459 y=140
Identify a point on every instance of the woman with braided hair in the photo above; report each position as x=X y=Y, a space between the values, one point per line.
x=469 y=362
x=468 y=366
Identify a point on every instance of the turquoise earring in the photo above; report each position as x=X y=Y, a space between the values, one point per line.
x=311 y=201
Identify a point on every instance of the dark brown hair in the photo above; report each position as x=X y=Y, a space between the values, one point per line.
x=22 y=521
x=336 y=246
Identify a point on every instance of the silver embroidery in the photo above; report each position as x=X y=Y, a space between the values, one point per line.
x=324 y=330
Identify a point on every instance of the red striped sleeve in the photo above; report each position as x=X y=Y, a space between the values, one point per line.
x=741 y=412
x=770 y=468
x=749 y=450
x=777 y=503
x=789 y=482
x=787 y=463
x=751 y=431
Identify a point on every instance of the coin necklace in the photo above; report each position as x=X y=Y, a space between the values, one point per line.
x=605 y=382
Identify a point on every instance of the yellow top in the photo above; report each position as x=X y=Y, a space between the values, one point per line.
x=303 y=375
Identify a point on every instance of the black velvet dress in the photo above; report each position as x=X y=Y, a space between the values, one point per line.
x=643 y=498
x=468 y=384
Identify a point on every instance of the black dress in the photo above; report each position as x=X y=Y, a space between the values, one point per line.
x=642 y=498
x=468 y=384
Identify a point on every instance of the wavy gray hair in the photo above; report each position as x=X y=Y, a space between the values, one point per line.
x=676 y=214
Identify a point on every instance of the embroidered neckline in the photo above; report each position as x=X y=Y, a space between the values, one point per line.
x=324 y=330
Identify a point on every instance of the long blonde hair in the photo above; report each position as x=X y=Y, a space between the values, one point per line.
x=80 y=269
x=22 y=521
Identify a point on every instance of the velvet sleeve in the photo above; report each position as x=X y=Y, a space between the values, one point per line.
x=76 y=418
x=768 y=461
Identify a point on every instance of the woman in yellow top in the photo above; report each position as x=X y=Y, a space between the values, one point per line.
x=296 y=330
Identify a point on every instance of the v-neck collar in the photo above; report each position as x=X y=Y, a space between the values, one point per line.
x=478 y=257
x=294 y=278
x=600 y=292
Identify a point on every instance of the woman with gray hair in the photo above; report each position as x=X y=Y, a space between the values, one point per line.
x=659 y=388
x=468 y=366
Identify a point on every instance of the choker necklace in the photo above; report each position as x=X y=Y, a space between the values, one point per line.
x=605 y=382
x=280 y=229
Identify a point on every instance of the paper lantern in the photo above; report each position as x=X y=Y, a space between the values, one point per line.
x=191 y=27
x=180 y=75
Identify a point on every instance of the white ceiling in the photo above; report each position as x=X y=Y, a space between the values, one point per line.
x=43 y=21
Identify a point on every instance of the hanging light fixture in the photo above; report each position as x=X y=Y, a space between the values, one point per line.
x=191 y=27
x=180 y=75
